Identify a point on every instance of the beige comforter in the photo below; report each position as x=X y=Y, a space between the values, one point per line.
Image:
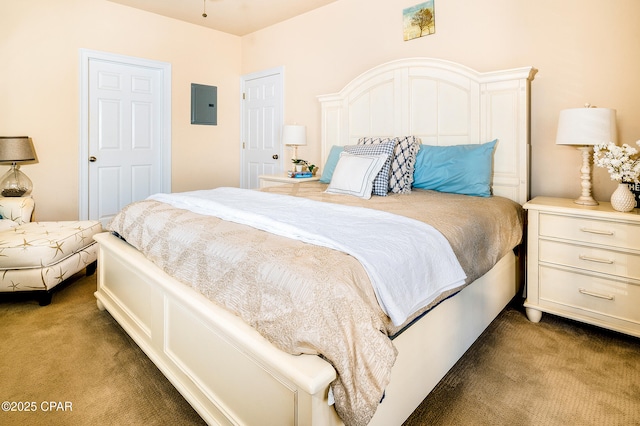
x=311 y=299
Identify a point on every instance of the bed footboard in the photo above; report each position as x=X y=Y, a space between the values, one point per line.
x=226 y=370
x=230 y=374
x=429 y=348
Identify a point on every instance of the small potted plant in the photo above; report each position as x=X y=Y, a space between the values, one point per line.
x=312 y=168
x=299 y=164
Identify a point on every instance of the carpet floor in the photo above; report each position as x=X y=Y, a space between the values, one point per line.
x=70 y=364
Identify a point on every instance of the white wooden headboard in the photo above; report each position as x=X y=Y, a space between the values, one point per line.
x=443 y=103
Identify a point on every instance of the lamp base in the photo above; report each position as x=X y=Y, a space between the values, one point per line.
x=585 y=175
x=586 y=201
x=14 y=183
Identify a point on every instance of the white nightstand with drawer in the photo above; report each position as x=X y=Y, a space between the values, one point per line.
x=583 y=263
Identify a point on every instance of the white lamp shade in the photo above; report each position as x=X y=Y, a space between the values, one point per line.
x=586 y=126
x=294 y=135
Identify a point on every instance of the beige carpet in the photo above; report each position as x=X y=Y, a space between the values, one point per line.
x=71 y=351
x=554 y=373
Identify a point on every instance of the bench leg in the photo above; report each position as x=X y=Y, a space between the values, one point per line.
x=45 y=298
x=91 y=268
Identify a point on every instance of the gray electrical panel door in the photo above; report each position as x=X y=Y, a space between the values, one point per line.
x=204 y=104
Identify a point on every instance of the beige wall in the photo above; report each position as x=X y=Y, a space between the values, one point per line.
x=585 y=51
x=39 y=90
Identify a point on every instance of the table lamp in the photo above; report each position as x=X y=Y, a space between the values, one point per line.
x=585 y=127
x=294 y=135
x=14 y=149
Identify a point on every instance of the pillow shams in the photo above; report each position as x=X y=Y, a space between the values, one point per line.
x=459 y=169
x=381 y=182
x=402 y=163
x=354 y=174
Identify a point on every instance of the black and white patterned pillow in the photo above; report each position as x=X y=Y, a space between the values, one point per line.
x=381 y=182
x=403 y=162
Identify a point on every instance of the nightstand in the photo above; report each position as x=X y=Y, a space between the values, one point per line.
x=583 y=263
x=274 y=180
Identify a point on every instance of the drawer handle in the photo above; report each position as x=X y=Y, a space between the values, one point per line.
x=596 y=231
x=595 y=259
x=590 y=293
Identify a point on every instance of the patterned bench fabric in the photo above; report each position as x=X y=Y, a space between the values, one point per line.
x=46 y=278
x=17 y=209
x=43 y=244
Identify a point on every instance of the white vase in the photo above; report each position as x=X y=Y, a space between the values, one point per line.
x=622 y=198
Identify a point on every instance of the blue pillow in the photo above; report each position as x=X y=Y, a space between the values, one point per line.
x=330 y=164
x=459 y=169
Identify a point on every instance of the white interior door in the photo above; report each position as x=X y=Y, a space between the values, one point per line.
x=261 y=126
x=126 y=153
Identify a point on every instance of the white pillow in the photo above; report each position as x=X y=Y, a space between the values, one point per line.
x=354 y=174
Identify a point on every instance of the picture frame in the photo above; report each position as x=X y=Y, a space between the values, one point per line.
x=419 y=20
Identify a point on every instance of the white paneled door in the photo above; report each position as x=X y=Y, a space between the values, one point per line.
x=261 y=126
x=125 y=135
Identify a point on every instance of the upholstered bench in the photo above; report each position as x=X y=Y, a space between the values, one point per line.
x=39 y=256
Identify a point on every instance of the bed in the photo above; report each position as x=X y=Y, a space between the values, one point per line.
x=224 y=367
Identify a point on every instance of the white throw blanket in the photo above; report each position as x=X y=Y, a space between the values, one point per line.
x=408 y=262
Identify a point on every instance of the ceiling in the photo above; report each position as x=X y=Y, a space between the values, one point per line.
x=239 y=17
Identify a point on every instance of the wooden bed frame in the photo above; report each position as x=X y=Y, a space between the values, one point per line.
x=227 y=371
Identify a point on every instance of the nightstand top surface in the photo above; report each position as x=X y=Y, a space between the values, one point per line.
x=286 y=179
x=566 y=205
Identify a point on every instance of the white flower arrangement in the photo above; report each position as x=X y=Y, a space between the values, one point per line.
x=621 y=162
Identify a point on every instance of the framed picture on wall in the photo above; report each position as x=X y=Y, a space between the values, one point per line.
x=419 y=20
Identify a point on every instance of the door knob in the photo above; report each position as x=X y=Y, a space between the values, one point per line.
x=92 y=159
x=274 y=156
